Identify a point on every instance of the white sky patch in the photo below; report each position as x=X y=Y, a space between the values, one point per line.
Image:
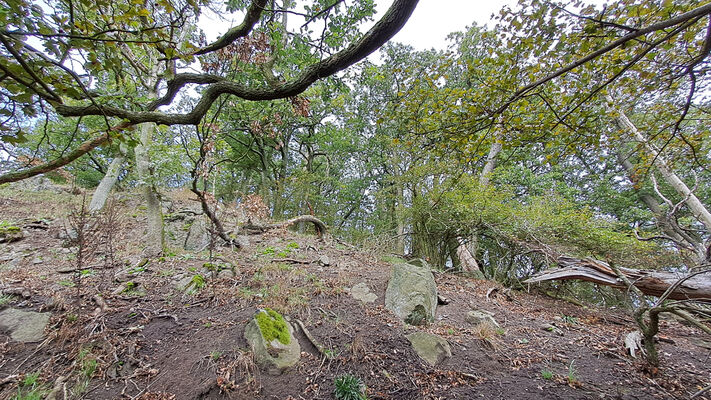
x=427 y=28
x=433 y=20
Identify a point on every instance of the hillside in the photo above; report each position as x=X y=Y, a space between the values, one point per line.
x=173 y=327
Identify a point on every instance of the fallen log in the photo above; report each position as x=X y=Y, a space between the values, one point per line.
x=653 y=283
x=318 y=224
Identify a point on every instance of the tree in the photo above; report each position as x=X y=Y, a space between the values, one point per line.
x=80 y=47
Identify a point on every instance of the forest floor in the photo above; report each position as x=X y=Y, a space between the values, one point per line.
x=153 y=340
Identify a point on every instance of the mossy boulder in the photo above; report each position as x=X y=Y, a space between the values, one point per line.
x=272 y=340
x=412 y=293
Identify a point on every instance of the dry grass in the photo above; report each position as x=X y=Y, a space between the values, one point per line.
x=488 y=334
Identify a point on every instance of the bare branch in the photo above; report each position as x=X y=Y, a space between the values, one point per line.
x=679 y=19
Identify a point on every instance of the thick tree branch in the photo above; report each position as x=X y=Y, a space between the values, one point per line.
x=670 y=285
x=56 y=163
x=393 y=20
x=253 y=13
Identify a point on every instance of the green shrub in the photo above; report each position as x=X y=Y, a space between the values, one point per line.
x=349 y=387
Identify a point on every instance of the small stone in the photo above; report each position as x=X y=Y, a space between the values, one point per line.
x=431 y=348
x=9 y=234
x=181 y=282
x=441 y=300
x=18 y=291
x=476 y=317
x=37 y=260
x=552 y=328
x=274 y=356
x=324 y=260
x=362 y=292
x=226 y=274
x=242 y=241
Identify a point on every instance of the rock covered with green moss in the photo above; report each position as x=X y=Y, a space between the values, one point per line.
x=9 y=232
x=272 y=340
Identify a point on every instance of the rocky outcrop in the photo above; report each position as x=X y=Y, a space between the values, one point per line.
x=272 y=341
x=188 y=229
x=24 y=326
x=431 y=348
x=412 y=293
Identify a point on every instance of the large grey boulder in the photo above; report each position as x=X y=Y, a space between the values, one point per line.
x=412 y=293
x=24 y=326
x=273 y=343
x=429 y=347
x=188 y=229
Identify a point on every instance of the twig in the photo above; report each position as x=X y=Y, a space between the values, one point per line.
x=167 y=316
x=291 y=260
x=689 y=318
x=8 y=379
x=700 y=392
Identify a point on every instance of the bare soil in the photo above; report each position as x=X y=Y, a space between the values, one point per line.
x=156 y=341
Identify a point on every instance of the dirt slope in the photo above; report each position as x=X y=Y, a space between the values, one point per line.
x=156 y=341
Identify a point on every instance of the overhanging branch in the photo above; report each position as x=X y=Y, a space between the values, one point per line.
x=391 y=23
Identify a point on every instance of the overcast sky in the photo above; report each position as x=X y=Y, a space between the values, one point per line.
x=433 y=20
x=428 y=27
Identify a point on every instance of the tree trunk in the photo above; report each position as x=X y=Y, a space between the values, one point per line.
x=697 y=208
x=491 y=160
x=98 y=200
x=668 y=225
x=466 y=259
x=154 y=215
x=653 y=283
x=467 y=262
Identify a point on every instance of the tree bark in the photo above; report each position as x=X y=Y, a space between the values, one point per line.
x=697 y=208
x=98 y=200
x=467 y=262
x=653 y=283
x=491 y=160
x=668 y=225
x=154 y=215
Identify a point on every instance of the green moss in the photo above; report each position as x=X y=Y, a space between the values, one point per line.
x=6 y=228
x=273 y=326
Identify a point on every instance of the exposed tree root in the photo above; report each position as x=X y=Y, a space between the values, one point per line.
x=313 y=340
